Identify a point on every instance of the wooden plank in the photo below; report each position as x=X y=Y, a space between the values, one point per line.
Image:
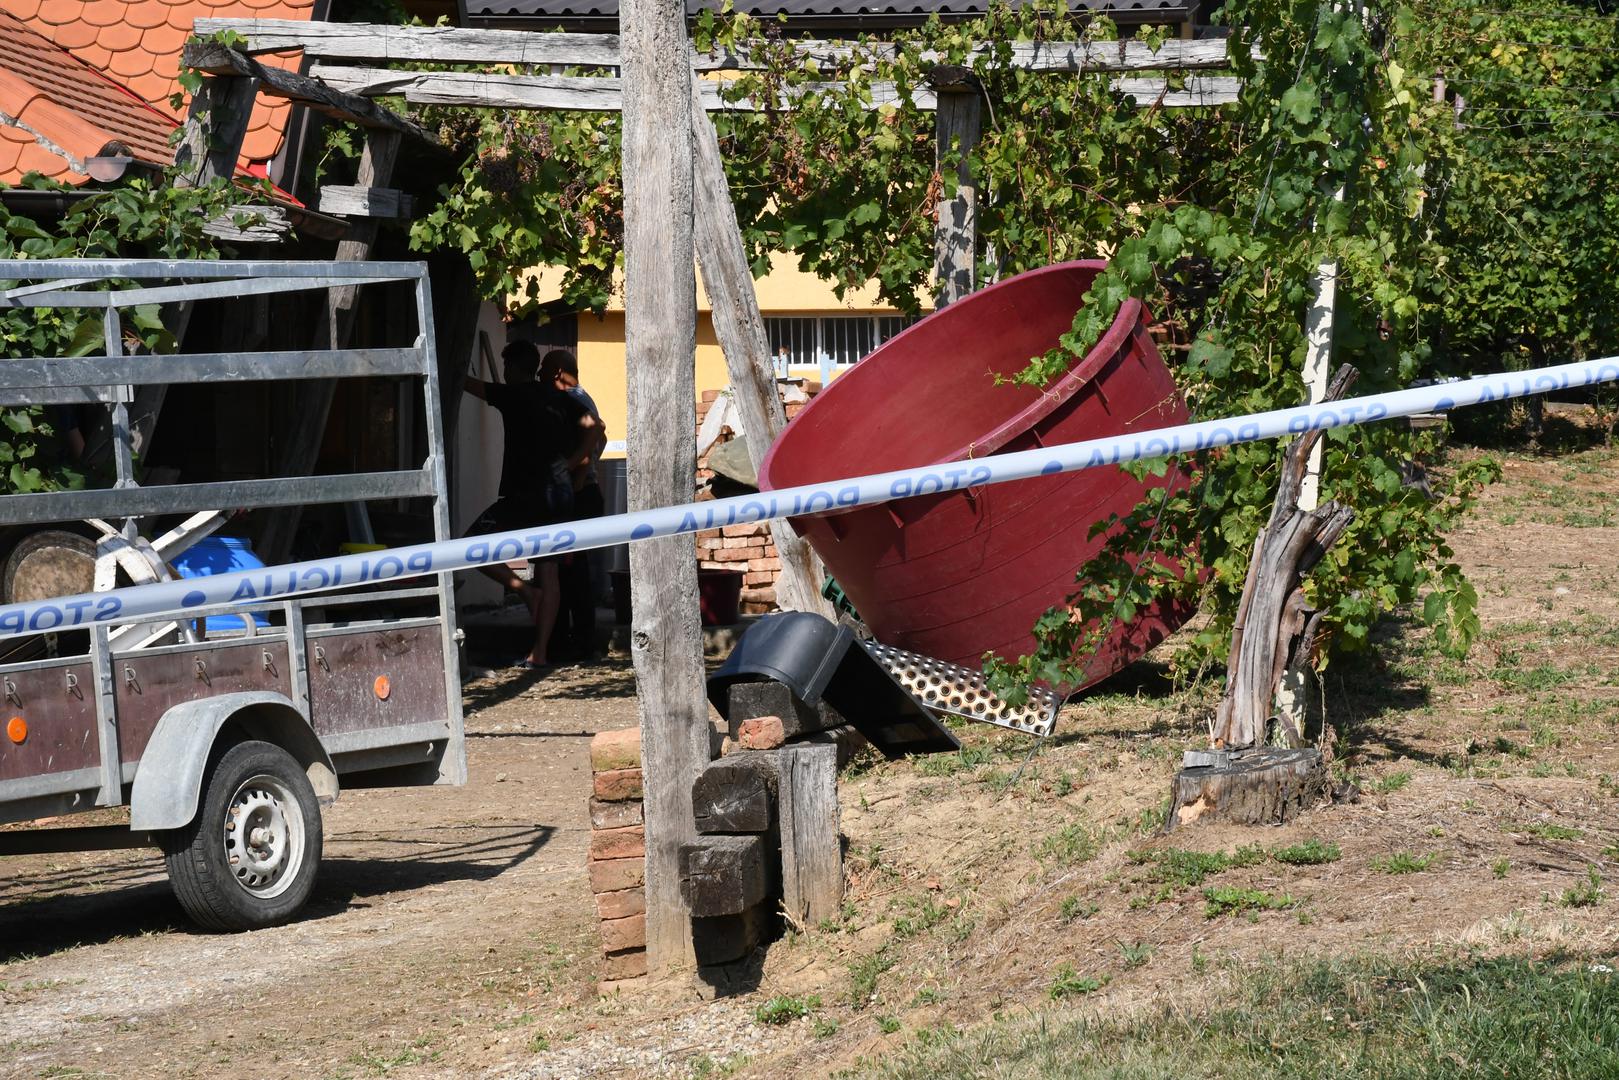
x=604 y=94
x=958 y=124
x=219 y=60
x=562 y=92
x=728 y=280
x=354 y=200
x=660 y=338
x=720 y=875
x=737 y=793
x=262 y=225
x=454 y=45
x=811 y=853
x=750 y=700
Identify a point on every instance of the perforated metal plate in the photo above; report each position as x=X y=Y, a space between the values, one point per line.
x=960 y=691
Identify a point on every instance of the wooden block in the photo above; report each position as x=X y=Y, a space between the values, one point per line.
x=621 y=935
x=357 y=201
x=751 y=700
x=722 y=939
x=811 y=853
x=736 y=794
x=613 y=875
x=624 y=965
x=848 y=741
x=621 y=904
x=608 y=844
x=610 y=750
x=618 y=785
x=761 y=733
x=615 y=815
x=722 y=875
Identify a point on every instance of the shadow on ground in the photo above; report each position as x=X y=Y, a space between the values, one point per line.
x=64 y=908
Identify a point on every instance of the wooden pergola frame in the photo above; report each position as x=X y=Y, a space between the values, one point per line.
x=677 y=206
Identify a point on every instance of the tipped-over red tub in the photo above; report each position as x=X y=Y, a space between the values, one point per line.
x=957 y=574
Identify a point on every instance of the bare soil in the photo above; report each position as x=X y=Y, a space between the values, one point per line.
x=452 y=931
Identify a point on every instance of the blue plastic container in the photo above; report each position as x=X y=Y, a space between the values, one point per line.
x=219 y=555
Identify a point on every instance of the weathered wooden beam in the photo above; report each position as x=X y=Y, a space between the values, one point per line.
x=453 y=45
x=660 y=340
x=721 y=875
x=215 y=126
x=957 y=123
x=811 y=851
x=354 y=200
x=1196 y=91
x=257 y=225
x=218 y=60
x=737 y=793
x=751 y=700
x=740 y=327
x=577 y=93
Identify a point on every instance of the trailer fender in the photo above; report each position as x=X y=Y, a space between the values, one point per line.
x=169 y=779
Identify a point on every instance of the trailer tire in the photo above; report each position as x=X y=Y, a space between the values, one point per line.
x=248 y=859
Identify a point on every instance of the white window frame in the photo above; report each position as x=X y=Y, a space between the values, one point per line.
x=813 y=345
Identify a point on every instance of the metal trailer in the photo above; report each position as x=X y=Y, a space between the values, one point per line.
x=224 y=749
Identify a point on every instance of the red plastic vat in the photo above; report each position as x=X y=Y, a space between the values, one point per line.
x=957 y=574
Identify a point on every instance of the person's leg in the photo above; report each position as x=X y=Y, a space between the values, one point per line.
x=548 y=594
x=578 y=595
x=501 y=517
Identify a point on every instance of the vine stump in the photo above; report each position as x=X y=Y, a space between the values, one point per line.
x=1248 y=787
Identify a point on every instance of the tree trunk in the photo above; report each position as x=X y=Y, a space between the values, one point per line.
x=1275 y=626
x=1253 y=787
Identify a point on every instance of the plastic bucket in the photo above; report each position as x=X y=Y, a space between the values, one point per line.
x=219 y=555
x=956 y=574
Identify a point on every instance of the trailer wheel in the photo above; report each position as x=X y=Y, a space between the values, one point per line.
x=248 y=858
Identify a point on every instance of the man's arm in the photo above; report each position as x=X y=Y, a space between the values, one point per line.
x=588 y=438
x=475 y=387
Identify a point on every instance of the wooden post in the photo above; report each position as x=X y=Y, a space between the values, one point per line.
x=660 y=336
x=956 y=235
x=313 y=398
x=728 y=279
x=811 y=852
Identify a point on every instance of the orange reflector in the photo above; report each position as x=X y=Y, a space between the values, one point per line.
x=17 y=729
x=381 y=687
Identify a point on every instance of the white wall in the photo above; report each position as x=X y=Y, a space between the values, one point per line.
x=479 y=444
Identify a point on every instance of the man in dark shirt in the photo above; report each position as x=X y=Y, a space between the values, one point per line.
x=576 y=622
x=548 y=435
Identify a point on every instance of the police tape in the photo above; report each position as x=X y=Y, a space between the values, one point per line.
x=322 y=575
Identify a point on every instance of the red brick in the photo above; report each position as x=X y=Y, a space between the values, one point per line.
x=620 y=749
x=758 y=577
x=732 y=555
x=740 y=530
x=625 y=843
x=764 y=564
x=710 y=395
x=618 y=785
x=621 y=904
x=708 y=534
x=619 y=935
x=758 y=596
x=615 y=815
x=761 y=733
x=624 y=965
x=731 y=542
x=615 y=875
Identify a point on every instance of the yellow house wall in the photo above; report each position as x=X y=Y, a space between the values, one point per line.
x=786 y=290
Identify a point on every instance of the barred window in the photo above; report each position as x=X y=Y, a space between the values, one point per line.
x=828 y=341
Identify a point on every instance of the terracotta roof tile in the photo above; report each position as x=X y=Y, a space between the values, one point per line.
x=138 y=42
x=64 y=111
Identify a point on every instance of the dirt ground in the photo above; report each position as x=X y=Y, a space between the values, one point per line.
x=452 y=930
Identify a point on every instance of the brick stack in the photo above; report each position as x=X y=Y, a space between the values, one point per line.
x=747 y=548
x=618 y=855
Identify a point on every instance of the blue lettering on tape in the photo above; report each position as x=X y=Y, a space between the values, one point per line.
x=11 y=622
x=41 y=613
x=982 y=473
x=108 y=607
x=641 y=532
x=193 y=598
x=389 y=566
x=1051 y=467
x=849 y=496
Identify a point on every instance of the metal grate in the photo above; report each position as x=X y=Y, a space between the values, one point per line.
x=959 y=691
